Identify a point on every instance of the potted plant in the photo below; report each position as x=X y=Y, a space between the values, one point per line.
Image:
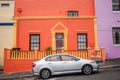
x=48 y=50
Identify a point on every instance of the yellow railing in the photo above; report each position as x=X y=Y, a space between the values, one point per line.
x=98 y=54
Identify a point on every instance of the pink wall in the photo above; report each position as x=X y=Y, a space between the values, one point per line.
x=106 y=19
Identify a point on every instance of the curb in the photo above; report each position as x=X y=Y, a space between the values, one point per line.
x=110 y=66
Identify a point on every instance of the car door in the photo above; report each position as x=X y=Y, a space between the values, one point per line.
x=70 y=63
x=54 y=63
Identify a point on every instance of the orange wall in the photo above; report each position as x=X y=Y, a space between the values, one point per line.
x=31 y=8
x=54 y=7
x=43 y=27
x=17 y=65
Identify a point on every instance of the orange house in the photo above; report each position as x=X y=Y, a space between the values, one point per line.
x=68 y=24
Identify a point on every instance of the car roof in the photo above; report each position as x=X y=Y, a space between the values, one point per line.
x=59 y=54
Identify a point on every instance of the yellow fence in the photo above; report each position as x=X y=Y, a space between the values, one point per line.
x=98 y=54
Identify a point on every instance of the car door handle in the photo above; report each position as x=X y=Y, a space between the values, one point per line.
x=49 y=63
x=65 y=62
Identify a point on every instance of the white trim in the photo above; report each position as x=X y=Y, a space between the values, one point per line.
x=116 y=11
x=104 y=29
x=116 y=45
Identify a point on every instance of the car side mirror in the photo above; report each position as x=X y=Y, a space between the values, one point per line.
x=77 y=59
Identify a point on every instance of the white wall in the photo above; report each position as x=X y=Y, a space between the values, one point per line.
x=6 y=13
x=6 y=40
x=6 y=32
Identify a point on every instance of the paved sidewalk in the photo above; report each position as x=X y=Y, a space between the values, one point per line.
x=111 y=63
x=18 y=75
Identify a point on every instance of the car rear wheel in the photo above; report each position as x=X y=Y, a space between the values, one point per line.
x=45 y=73
x=87 y=69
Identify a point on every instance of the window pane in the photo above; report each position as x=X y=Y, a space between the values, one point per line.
x=82 y=41
x=116 y=5
x=53 y=58
x=34 y=41
x=59 y=41
x=32 y=48
x=5 y=4
x=72 y=13
x=31 y=45
x=67 y=58
x=116 y=35
x=59 y=36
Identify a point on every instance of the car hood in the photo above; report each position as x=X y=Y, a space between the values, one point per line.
x=86 y=60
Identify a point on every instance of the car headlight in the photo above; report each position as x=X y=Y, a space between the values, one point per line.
x=93 y=62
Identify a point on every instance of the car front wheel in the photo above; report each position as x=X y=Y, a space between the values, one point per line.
x=87 y=69
x=45 y=73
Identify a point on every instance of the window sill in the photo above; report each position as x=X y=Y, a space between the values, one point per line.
x=116 y=45
x=116 y=11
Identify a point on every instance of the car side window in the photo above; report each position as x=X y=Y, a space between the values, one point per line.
x=68 y=58
x=53 y=58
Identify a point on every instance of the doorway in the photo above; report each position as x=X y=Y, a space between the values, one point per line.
x=59 y=41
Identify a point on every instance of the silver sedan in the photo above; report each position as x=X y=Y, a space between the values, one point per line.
x=61 y=64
